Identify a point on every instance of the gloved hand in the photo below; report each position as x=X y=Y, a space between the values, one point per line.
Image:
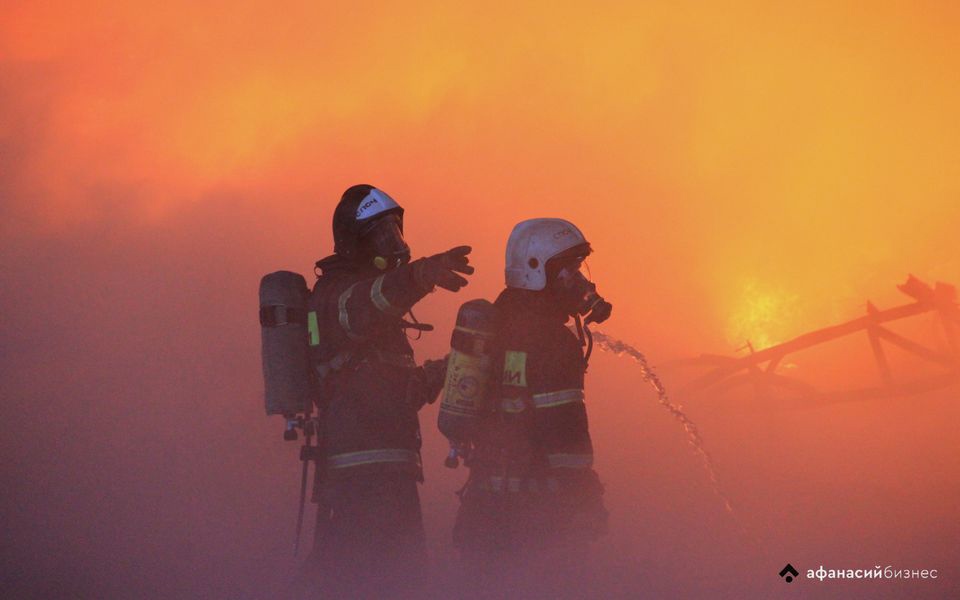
x=426 y=382
x=441 y=269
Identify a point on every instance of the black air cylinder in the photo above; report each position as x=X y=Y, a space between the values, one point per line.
x=289 y=386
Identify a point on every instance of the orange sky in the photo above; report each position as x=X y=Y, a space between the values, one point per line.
x=797 y=158
x=744 y=171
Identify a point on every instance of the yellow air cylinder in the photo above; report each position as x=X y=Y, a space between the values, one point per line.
x=466 y=392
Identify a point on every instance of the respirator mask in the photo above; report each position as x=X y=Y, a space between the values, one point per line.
x=578 y=295
x=382 y=241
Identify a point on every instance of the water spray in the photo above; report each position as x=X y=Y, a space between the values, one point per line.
x=619 y=348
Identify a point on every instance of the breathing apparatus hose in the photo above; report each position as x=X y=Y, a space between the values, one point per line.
x=586 y=337
x=589 y=335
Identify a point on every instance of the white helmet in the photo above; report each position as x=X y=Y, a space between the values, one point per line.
x=531 y=244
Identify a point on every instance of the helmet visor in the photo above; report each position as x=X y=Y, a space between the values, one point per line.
x=383 y=239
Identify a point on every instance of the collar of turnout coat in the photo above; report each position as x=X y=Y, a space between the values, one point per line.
x=538 y=304
x=335 y=263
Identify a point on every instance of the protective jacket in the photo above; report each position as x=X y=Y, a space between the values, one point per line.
x=531 y=481
x=371 y=387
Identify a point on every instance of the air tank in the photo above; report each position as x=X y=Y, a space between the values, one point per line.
x=467 y=390
x=289 y=384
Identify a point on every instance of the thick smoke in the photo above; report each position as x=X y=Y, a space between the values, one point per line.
x=743 y=172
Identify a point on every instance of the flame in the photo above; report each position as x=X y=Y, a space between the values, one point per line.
x=764 y=316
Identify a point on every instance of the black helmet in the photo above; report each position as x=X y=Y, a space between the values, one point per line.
x=368 y=226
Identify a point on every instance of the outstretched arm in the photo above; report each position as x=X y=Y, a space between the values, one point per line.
x=367 y=306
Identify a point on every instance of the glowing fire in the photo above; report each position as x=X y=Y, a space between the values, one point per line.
x=765 y=316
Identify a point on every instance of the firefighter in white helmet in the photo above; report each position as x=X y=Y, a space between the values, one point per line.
x=532 y=485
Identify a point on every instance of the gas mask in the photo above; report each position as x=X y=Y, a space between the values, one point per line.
x=383 y=244
x=578 y=295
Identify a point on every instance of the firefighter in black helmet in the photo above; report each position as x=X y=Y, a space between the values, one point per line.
x=370 y=539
